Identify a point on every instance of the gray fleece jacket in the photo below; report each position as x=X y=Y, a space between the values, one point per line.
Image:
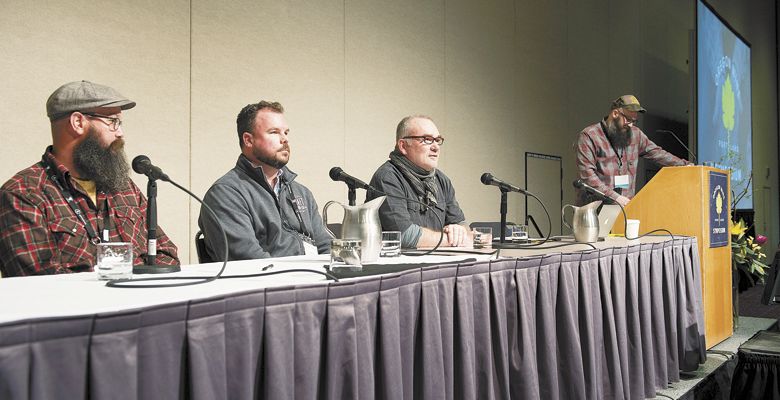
x=257 y=224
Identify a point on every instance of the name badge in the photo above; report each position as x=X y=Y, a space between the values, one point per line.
x=309 y=249
x=621 y=182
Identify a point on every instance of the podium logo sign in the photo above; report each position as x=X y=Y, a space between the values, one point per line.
x=719 y=218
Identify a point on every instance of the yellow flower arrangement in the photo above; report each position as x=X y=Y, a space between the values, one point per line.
x=746 y=253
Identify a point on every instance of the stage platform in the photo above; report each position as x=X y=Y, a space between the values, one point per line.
x=713 y=378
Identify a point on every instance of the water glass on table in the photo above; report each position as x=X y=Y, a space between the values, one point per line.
x=391 y=244
x=519 y=232
x=345 y=254
x=114 y=260
x=483 y=237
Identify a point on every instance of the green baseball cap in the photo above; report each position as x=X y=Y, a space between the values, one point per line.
x=629 y=102
x=83 y=95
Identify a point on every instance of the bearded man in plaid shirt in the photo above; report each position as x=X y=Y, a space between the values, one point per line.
x=608 y=152
x=53 y=213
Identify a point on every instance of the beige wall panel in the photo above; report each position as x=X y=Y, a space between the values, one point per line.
x=623 y=47
x=664 y=55
x=587 y=77
x=481 y=104
x=139 y=48
x=541 y=115
x=291 y=52
x=394 y=67
x=766 y=195
x=588 y=73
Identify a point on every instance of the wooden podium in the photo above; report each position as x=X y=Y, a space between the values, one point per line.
x=678 y=199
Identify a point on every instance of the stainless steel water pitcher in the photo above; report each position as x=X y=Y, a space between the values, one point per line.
x=361 y=222
x=585 y=222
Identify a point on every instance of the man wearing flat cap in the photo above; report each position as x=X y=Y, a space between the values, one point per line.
x=53 y=214
x=608 y=152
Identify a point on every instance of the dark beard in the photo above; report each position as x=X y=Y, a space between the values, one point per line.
x=271 y=160
x=107 y=167
x=616 y=137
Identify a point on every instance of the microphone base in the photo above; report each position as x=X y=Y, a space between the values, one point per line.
x=155 y=269
x=510 y=244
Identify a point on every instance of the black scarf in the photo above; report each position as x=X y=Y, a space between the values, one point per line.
x=422 y=181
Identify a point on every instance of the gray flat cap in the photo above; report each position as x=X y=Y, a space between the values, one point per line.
x=83 y=95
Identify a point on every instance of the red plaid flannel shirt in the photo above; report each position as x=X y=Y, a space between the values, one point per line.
x=40 y=233
x=597 y=161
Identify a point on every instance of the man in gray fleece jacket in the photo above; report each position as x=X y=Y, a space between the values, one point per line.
x=264 y=212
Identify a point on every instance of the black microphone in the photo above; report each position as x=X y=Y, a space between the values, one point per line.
x=338 y=174
x=679 y=141
x=580 y=184
x=143 y=165
x=488 y=179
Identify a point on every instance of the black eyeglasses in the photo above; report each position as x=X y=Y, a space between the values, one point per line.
x=629 y=121
x=428 y=139
x=113 y=123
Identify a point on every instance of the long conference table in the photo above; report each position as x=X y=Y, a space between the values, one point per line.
x=619 y=321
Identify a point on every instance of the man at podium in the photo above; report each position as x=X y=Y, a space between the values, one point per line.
x=608 y=152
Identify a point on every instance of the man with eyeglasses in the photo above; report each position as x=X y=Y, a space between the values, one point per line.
x=411 y=173
x=264 y=211
x=53 y=214
x=608 y=152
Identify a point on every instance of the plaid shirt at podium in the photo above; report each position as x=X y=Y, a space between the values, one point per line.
x=598 y=162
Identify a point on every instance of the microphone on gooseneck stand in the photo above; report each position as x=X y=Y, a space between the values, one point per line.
x=580 y=184
x=338 y=175
x=695 y=161
x=142 y=165
x=488 y=179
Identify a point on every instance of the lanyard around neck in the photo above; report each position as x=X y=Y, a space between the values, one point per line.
x=294 y=204
x=283 y=184
x=91 y=233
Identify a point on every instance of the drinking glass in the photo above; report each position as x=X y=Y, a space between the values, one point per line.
x=483 y=237
x=345 y=253
x=114 y=260
x=391 y=244
x=519 y=232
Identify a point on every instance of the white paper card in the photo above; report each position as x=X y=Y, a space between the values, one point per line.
x=621 y=181
x=309 y=249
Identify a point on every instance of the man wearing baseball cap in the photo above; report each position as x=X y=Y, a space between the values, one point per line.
x=53 y=214
x=608 y=152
